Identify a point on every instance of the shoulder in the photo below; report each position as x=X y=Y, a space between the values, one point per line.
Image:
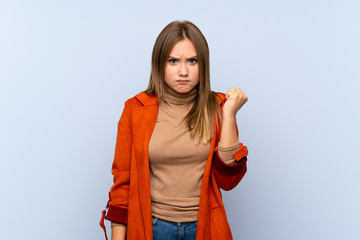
x=141 y=99
x=220 y=97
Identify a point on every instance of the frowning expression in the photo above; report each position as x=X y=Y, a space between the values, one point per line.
x=182 y=68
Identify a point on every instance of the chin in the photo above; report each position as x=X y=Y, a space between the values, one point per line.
x=184 y=91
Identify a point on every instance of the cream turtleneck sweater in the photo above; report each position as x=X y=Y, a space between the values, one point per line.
x=177 y=163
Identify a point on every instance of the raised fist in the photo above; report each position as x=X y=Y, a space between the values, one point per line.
x=235 y=100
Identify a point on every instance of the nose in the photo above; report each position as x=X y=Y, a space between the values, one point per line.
x=183 y=70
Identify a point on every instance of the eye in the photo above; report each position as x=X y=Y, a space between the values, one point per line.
x=192 y=60
x=173 y=60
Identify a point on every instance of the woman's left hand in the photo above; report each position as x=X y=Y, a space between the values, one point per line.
x=235 y=100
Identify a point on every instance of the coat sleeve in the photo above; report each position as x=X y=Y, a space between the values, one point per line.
x=119 y=192
x=228 y=176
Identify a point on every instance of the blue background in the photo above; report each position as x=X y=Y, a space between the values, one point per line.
x=66 y=68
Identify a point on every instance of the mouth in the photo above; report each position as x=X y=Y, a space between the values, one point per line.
x=182 y=81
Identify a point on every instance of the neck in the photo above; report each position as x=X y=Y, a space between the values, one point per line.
x=173 y=97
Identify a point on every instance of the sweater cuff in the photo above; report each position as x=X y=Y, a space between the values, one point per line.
x=115 y=224
x=231 y=169
x=117 y=214
x=226 y=153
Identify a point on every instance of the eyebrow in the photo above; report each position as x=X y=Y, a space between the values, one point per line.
x=186 y=58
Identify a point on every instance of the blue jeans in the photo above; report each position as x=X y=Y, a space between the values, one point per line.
x=165 y=230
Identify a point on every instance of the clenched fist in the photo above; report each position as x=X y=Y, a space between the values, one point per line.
x=235 y=100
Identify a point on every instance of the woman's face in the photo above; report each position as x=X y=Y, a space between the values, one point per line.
x=182 y=68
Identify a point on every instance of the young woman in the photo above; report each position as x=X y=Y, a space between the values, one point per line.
x=177 y=144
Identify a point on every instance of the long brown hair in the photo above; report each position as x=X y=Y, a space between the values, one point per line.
x=200 y=119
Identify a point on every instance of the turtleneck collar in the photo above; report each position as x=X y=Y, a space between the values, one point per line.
x=173 y=97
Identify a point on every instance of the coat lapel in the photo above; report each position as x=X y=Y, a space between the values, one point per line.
x=143 y=122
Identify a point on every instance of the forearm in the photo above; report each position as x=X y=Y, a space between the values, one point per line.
x=118 y=231
x=228 y=137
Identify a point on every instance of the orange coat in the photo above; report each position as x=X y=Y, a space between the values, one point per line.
x=130 y=197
